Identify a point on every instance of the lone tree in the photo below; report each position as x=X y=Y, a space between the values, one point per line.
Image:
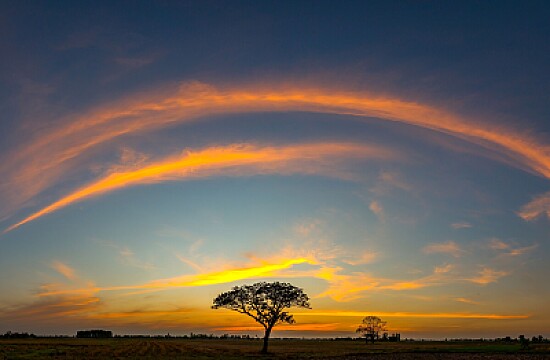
x=264 y=302
x=371 y=328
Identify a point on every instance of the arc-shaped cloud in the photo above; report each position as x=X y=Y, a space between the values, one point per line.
x=39 y=164
x=239 y=159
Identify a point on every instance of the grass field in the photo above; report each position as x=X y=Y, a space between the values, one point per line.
x=153 y=348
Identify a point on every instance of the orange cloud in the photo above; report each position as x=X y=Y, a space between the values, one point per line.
x=349 y=287
x=377 y=209
x=137 y=315
x=466 y=301
x=240 y=159
x=487 y=276
x=285 y=327
x=50 y=155
x=497 y=244
x=414 y=315
x=538 y=206
x=449 y=247
x=64 y=270
x=508 y=250
x=267 y=269
x=365 y=258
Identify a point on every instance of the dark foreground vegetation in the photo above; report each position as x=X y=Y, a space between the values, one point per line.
x=179 y=348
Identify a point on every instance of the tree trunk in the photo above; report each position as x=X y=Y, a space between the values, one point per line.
x=266 y=339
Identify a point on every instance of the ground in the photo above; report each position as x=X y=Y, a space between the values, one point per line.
x=153 y=348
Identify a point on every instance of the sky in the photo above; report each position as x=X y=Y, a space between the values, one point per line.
x=390 y=158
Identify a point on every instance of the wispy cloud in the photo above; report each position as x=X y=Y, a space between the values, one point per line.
x=190 y=263
x=346 y=287
x=497 y=244
x=450 y=247
x=129 y=258
x=307 y=227
x=537 y=207
x=233 y=160
x=461 y=225
x=286 y=327
x=510 y=250
x=45 y=159
x=466 y=301
x=385 y=314
x=377 y=209
x=201 y=279
x=64 y=270
x=487 y=275
x=388 y=181
x=366 y=257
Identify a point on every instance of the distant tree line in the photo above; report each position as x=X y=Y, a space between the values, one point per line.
x=16 y=335
x=508 y=339
x=94 y=334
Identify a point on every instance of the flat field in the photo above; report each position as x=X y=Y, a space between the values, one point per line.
x=158 y=348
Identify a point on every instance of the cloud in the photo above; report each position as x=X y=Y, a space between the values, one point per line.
x=266 y=269
x=443 y=269
x=461 y=225
x=346 y=287
x=377 y=209
x=449 y=247
x=497 y=244
x=232 y=160
x=508 y=250
x=385 y=314
x=129 y=258
x=487 y=276
x=366 y=257
x=53 y=308
x=522 y=251
x=190 y=263
x=48 y=157
x=466 y=301
x=64 y=270
x=307 y=227
x=139 y=315
x=388 y=181
x=537 y=207
x=285 y=327
x=341 y=286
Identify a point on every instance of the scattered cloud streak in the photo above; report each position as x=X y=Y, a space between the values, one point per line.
x=461 y=225
x=377 y=209
x=509 y=250
x=415 y=315
x=233 y=160
x=64 y=270
x=487 y=276
x=450 y=247
x=537 y=207
x=47 y=157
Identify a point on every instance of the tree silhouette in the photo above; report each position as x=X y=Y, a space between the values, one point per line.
x=371 y=328
x=264 y=302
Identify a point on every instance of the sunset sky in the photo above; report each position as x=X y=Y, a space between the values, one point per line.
x=390 y=158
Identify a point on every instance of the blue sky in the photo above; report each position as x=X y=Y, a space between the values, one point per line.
x=390 y=158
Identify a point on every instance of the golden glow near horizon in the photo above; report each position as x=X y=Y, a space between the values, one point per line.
x=84 y=303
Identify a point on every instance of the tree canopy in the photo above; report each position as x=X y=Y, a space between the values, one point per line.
x=264 y=302
x=371 y=327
